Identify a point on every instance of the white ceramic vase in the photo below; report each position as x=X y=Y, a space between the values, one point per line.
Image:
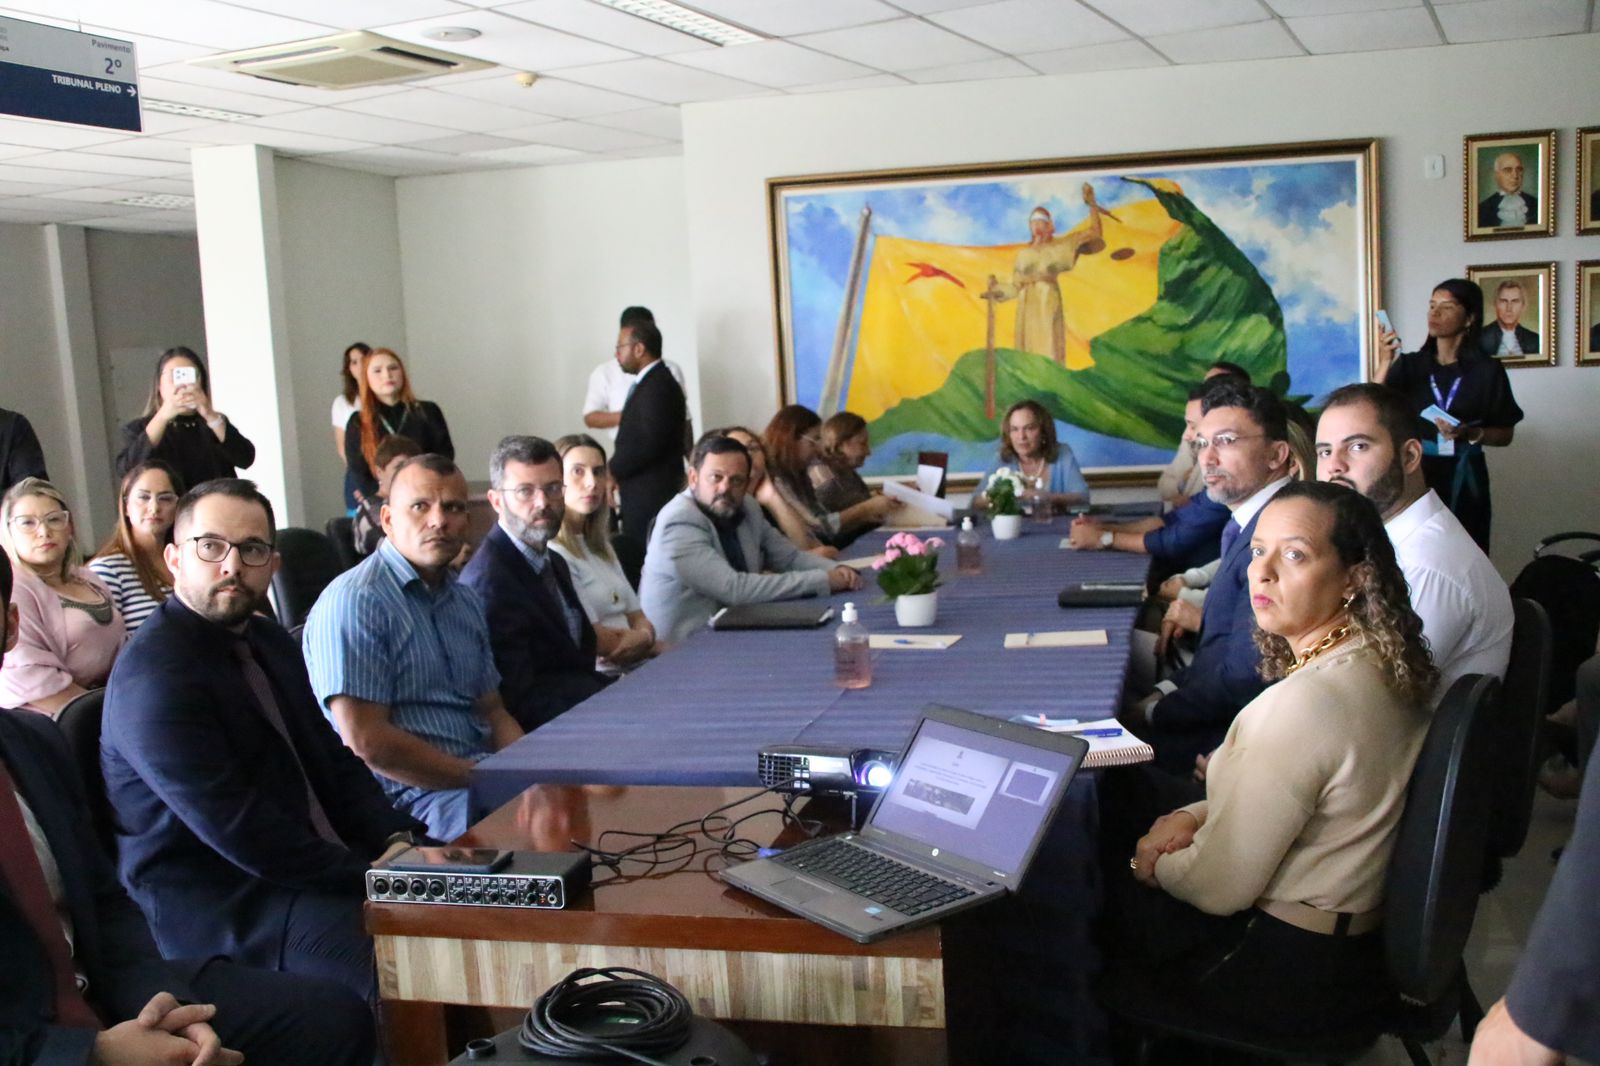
x=914 y=611
x=1006 y=526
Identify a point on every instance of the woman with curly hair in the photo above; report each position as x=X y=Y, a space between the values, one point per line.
x=1266 y=896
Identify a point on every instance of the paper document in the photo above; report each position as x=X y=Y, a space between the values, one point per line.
x=912 y=641
x=862 y=563
x=920 y=508
x=1061 y=638
x=928 y=478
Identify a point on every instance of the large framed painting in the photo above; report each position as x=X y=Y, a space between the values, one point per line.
x=1508 y=185
x=928 y=301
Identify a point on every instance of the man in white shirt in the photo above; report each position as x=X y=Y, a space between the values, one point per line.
x=609 y=383
x=1367 y=440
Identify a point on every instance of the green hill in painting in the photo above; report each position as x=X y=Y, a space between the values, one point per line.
x=1212 y=304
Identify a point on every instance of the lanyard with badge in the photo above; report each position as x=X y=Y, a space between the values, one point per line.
x=1443 y=402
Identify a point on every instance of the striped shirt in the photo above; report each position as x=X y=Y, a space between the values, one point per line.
x=126 y=591
x=379 y=633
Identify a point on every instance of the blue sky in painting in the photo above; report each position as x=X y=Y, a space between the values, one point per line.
x=1297 y=221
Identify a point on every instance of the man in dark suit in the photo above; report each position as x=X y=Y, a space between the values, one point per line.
x=82 y=982
x=245 y=828
x=20 y=454
x=1506 y=335
x=1242 y=445
x=648 y=460
x=1508 y=205
x=544 y=646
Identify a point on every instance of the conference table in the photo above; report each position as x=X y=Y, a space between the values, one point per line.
x=681 y=734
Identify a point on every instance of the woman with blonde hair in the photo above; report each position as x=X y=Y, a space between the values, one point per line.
x=132 y=562
x=68 y=627
x=387 y=405
x=623 y=635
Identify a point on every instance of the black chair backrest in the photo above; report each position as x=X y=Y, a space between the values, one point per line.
x=1431 y=891
x=344 y=541
x=310 y=561
x=1523 y=699
x=80 y=722
x=1569 y=591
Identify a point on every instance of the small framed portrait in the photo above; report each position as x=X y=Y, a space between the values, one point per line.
x=1589 y=180
x=1589 y=312
x=1510 y=183
x=1519 y=312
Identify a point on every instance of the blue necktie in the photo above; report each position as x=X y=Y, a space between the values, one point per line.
x=1230 y=534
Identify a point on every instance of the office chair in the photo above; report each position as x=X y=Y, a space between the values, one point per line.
x=310 y=562
x=80 y=723
x=344 y=542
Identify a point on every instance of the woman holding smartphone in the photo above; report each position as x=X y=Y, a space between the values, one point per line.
x=181 y=427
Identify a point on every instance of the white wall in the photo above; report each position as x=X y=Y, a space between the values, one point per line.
x=28 y=366
x=513 y=283
x=1416 y=102
x=341 y=283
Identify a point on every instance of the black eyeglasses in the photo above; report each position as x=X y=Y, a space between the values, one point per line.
x=215 y=549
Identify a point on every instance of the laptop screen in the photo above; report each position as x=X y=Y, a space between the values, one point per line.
x=974 y=796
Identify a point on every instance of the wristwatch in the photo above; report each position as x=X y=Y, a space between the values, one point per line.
x=1107 y=539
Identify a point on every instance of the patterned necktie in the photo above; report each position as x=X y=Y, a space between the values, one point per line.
x=1230 y=535
x=19 y=865
x=261 y=688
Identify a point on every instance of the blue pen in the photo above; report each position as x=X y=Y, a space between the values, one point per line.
x=1098 y=732
x=904 y=640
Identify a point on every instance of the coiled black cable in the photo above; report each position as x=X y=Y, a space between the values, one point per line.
x=562 y=1022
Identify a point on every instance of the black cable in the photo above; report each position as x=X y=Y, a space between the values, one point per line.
x=676 y=847
x=654 y=1015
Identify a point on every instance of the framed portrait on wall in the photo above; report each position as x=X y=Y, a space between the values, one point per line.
x=1519 y=312
x=1510 y=185
x=930 y=300
x=1589 y=180
x=1589 y=312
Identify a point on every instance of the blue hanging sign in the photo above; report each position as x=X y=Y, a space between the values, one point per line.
x=67 y=76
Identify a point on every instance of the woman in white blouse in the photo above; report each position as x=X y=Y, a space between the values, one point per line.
x=346 y=404
x=623 y=635
x=132 y=562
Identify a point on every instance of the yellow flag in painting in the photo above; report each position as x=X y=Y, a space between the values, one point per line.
x=924 y=307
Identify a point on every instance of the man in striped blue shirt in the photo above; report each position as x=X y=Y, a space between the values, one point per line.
x=399 y=654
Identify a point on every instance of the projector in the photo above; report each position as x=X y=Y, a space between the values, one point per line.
x=821 y=770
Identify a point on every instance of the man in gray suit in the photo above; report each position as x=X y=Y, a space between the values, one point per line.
x=712 y=548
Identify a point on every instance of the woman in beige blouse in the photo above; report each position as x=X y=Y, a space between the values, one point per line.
x=1262 y=902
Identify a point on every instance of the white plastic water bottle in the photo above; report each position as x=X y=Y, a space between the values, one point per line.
x=852 y=654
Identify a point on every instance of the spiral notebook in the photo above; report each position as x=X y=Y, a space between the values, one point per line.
x=1110 y=743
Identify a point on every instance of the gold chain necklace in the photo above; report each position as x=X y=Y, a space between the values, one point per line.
x=1335 y=635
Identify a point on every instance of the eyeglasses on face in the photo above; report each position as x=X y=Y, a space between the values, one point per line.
x=525 y=493
x=216 y=549
x=1223 y=441
x=165 y=499
x=28 y=524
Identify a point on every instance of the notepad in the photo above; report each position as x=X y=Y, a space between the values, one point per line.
x=1060 y=638
x=912 y=641
x=861 y=563
x=1122 y=749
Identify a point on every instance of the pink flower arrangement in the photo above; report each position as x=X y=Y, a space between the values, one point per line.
x=909 y=565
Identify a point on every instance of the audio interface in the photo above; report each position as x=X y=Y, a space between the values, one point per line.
x=541 y=880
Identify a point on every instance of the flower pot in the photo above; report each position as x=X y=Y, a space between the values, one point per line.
x=1006 y=526
x=920 y=610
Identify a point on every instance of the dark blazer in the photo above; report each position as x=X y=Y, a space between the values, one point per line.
x=1222 y=677
x=189 y=447
x=1489 y=340
x=20 y=453
x=1192 y=535
x=214 y=836
x=112 y=943
x=422 y=421
x=648 y=460
x=542 y=671
x=1489 y=209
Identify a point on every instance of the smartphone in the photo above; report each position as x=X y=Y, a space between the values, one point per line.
x=184 y=375
x=453 y=860
x=1383 y=320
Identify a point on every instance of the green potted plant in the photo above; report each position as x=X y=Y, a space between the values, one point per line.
x=908 y=573
x=1005 y=509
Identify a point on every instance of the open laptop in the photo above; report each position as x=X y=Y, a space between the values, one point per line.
x=957 y=826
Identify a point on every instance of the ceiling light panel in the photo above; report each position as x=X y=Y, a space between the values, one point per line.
x=677 y=17
x=160 y=201
x=173 y=107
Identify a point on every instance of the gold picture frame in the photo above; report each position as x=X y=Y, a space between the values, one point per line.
x=1587 y=341
x=1508 y=185
x=1503 y=285
x=1588 y=214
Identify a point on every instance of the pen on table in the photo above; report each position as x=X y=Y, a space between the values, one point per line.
x=1098 y=732
x=905 y=640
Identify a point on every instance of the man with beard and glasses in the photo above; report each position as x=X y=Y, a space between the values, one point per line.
x=1367 y=440
x=543 y=643
x=244 y=827
x=712 y=548
x=399 y=653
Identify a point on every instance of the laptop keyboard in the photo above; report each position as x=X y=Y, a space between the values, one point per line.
x=883 y=880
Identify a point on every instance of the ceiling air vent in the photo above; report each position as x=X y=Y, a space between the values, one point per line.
x=343 y=61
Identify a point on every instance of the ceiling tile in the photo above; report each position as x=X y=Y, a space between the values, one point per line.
x=1030 y=25
x=1489 y=20
x=442 y=109
x=17 y=172
x=227 y=99
x=1118 y=55
x=587 y=19
x=464 y=142
x=172 y=186
x=232 y=81
x=786 y=18
x=43 y=210
x=159 y=123
x=649 y=152
x=982 y=70
x=19 y=188
x=336 y=122
x=395 y=162
x=1298 y=8
x=148 y=147
x=355 y=14
x=663 y=122
x=1150 y=17
x=217 y=25
x=1258 y=40
x=517 y=44
x=143 y=224
x=12 y=151
x=41 y=134
x=660 y=80
x=1366 y=31
x=587 y=138
x=529 y=154
x=290 y=141
x=550 y=96
x=93 y=196
x=924 y=7
x=877 y=81
x=778 y=64
x=904 y=44
x=108 y=164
